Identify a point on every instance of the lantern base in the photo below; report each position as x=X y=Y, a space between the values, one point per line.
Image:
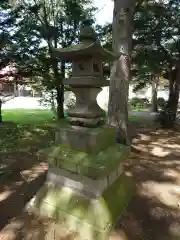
x=91 y=218
x=92 y=165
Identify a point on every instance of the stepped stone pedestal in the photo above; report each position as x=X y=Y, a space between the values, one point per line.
x=86 y=187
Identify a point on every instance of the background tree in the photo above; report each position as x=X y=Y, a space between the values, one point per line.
x=156 y=46
x=53 y=23
x=11 y=20
x=58 y=24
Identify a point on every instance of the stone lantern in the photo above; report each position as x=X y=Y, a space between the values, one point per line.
x=87 y=77
x=86 y=188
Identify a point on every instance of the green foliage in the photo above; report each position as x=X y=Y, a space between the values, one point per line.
x=71 y=103
x=31 y=116
x=156 y=39
x=18 y=28
x=139 y=103
x=30 y=40
x=26 y=130
x=161 y=102
x=166 y=117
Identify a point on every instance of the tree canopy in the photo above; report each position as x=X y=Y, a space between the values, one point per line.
x=30 y=39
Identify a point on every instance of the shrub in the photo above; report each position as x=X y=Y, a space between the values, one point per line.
x=71 y=103
x=139 y=102
x=161 y=102
x=166 y=117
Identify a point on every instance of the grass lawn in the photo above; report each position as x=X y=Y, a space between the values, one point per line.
x=26 y=130
x=22 y=116
x=29 y=130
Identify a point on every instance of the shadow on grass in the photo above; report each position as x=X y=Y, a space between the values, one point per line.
x=25 y=137
x=18 y=147
x=19 y=144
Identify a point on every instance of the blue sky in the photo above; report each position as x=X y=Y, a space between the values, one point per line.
x=106 y=11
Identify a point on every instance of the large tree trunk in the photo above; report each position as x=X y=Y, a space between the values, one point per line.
x=120 y=71
x=154 y=85
x=174 y=87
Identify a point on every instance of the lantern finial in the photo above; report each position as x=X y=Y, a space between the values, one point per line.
x=87 y=32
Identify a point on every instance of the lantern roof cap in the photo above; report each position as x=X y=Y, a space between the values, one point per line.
x=89 y=46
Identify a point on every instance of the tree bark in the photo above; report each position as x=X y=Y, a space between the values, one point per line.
x=154 y=85
x=174 y=88
x=120 y=71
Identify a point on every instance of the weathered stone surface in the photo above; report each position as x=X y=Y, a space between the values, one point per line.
x=86 y=122
x=85 y=139
x=91 y=81
x=91 y=218
x=86 y=111
x=88 y=47
x=83 y=185
x=80 y=184
x=86 y=78
x=86 y=104
x=93 y=165
x=105 y=162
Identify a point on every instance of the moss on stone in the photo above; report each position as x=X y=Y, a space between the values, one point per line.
x=100 y=165
x=88 y=164
x=98 y=215
x=92 y=140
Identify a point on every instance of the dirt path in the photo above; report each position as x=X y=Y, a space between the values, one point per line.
x=153 y=214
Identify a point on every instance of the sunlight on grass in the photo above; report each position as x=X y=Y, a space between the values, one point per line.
x=23 y=116
x=25 y=130
x=30 y=130
x=24 y=138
